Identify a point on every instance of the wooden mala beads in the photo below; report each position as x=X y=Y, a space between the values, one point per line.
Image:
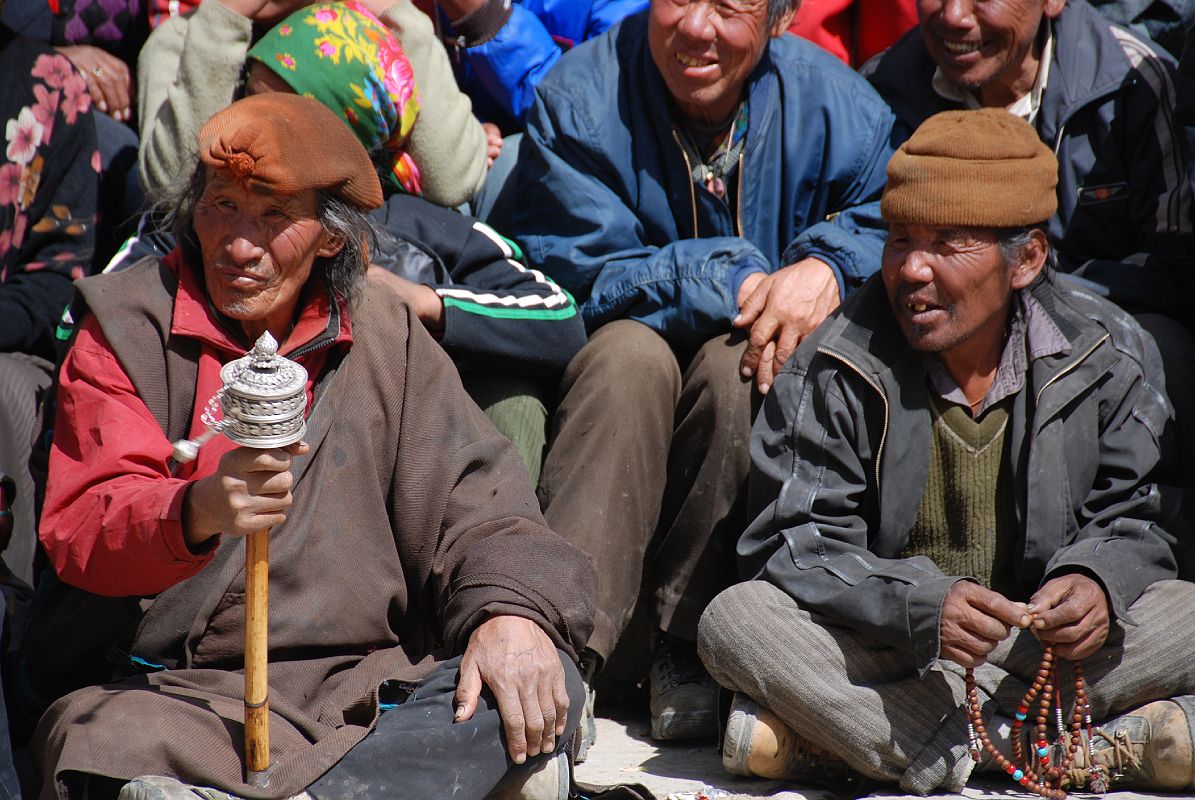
x=1042 y=772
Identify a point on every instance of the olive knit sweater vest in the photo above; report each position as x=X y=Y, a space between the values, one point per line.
x=965 y=523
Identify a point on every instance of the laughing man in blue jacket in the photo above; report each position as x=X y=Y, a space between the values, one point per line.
x=705 y=188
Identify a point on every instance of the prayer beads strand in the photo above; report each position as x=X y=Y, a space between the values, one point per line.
x=1041 y=774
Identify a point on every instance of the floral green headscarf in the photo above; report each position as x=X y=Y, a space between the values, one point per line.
x=343 y=56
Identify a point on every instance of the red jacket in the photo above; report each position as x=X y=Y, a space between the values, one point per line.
x=854 y=30
x=112 y=520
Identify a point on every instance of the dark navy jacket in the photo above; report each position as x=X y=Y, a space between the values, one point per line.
x=1124 y=195
x=608 y=207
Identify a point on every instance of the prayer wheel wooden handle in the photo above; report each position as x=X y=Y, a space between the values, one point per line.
x=257 y=703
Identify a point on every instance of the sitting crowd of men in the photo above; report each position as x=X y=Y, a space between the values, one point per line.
x=867 y=395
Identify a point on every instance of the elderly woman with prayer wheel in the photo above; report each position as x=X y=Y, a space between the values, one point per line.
x=423 y=619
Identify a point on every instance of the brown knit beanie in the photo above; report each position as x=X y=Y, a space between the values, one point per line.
x=985 y=169
x=285 y=143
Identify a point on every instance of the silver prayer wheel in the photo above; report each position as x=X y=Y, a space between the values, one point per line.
x=261 y=402
x=264 y=397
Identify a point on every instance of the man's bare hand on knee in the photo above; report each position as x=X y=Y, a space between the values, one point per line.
x=519 y=663
x=974 y=621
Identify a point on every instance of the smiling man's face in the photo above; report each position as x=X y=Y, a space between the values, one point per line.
x=980 y=42
x=258 y=251
x=951 y=288
x=705 y=49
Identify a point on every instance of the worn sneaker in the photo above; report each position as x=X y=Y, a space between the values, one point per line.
x=759 y=744
x=586 y=733
x=548 y=781
x=163 y=787
x=1150 y=748
x=684 y=698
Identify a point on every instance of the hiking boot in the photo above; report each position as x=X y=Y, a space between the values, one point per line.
x=759 y=744
x=548 y=781
x=684 y=698
x=1150 y=748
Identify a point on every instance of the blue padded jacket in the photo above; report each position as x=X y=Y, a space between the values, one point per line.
x=609 y=209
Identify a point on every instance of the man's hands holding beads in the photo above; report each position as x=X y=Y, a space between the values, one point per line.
x=1071 y=613
x=974 y=621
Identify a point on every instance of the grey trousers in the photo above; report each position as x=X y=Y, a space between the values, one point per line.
x=646 y=472
x=23 y=381
x=866 y=703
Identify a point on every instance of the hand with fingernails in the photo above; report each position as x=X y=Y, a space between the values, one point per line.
x=1069 y=612
x=779 y=310
x=109 y=81
x=249 y=491
x=520 y=665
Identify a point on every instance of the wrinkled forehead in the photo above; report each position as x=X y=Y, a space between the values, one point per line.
x=219 y=181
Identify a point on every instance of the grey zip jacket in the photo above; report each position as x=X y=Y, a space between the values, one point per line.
x=840 y=457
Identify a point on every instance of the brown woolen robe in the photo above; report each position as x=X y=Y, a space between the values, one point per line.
x=413 y=522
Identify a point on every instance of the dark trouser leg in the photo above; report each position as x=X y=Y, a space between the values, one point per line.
x=704 y=508
x=605 y=471
x=417 y=750
x=515 y=405
x=9 y=785
x=23 y=381
x=1176 y=343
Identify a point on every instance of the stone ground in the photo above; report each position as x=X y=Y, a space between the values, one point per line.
x=624 y=753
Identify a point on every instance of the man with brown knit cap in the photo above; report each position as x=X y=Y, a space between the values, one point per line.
x=411 y=570
x=954 y=472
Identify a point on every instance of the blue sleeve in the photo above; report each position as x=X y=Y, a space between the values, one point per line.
x=511 y=64
x=577 y=222
x=851 y=241
x=605 y=14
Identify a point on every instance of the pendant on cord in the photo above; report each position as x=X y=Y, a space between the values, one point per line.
x=715 y=185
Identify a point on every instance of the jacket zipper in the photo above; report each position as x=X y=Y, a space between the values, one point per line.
x=738 y=199
x=689 y=176
x=883 y=398
x=1069 y=368
x=311 y=347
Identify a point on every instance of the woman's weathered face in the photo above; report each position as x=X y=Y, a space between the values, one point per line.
x=258 y=250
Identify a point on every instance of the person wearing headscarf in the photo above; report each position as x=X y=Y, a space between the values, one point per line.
x=192 y=66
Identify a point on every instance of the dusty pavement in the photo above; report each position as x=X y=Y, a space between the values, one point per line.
x=625 y=754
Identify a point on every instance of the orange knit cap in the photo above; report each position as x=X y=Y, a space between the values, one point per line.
x=285 y=143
